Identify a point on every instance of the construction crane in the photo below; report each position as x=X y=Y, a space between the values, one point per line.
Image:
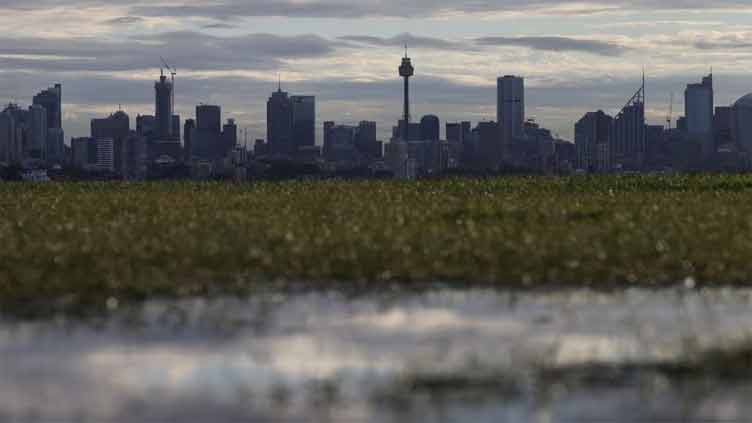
x=173 y=72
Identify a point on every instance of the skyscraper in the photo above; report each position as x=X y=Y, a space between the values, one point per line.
x=188 y=134
x=629 y=140
x=592 y=138
x=510 y=106
x=303 y=120
x=208 y=133
x=163 y=108
x=7 y=138
x=279 y=124
x=229 y=137
x=699 y=103
x=36 y=146
x=51 y=100
x=430 y=128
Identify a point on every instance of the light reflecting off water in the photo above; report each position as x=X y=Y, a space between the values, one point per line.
x=435 y=356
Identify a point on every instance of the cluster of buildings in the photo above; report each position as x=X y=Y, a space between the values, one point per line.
x=33 y=136
x=707 y=138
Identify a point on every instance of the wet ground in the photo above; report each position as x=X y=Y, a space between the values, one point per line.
x=431 y=356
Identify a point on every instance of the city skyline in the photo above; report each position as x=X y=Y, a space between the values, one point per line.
x=585 y=49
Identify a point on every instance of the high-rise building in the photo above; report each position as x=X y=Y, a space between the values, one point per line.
x=723 y=124
x=699 y=103
x=146 y=126
x=303 y=120
x=115 y=126
x=510 y=107
x=489 y=148
x=80 y=152
x=742 y=122
x=366 y=143
x=188 y=134
x=279 y=124
x=36 y=147
x=51 y=100
x=629 y=140
x=208 y=132
x=164 y=109
x=105 y=154
x=8 y=152
x=430 y=128
x=229 y=137
x=592 y=138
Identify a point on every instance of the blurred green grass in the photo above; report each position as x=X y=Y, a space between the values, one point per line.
x=92 y=241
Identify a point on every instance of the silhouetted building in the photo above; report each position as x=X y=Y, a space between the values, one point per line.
x=164 y=108
x=188 y=134
x=80 y=157
x=723 y=124
x=510 y=107
x=36 y=146
x=229 y=138
x=279 y=124
x=105 y=148
x=207 y=135
x=699 y=105
x=10 y=149
x=52 y=101
x=146 y=126
x=592 y=138
x=303 y=121
x=430 y=128
x=115 y=126
x=489 y=146
x=629 y=146
x=742 y=123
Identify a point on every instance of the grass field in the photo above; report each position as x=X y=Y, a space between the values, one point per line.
x=89 y=242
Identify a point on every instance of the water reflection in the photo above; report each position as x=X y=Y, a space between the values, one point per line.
x=442 y=356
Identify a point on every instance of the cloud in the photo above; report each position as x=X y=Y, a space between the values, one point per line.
x=556 y=44
x=125 y=20
x=229 y=9
x=405 y=39
x=186 y=49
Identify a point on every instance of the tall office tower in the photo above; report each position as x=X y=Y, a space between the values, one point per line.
x=115 y=126
x=489 y=148
x=105 y=154
x=36 y=147
x=146 y=126
x=454 y=132
x=510 y=106
x=188 y=134
x=429 y=128
x=51 y=100
x=163 y=108
x=699 y=103
x=742 y=122
x=279 y=124
x=722 y=125
x=303 y=120
x=229 y=137
x=406 y=71
x=176 y=127
x=7 y=138
x=592 y=138
x=629 y=141
x=80 y=152
x=366 y=143
x=208 y=133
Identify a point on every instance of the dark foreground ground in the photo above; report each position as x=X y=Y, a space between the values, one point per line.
x=86 y=243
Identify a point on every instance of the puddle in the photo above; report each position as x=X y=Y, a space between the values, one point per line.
x=437 y=356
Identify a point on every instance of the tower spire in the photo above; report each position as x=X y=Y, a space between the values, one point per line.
x=279 y=82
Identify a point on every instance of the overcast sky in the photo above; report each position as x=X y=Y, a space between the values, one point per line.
x=576 y=56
